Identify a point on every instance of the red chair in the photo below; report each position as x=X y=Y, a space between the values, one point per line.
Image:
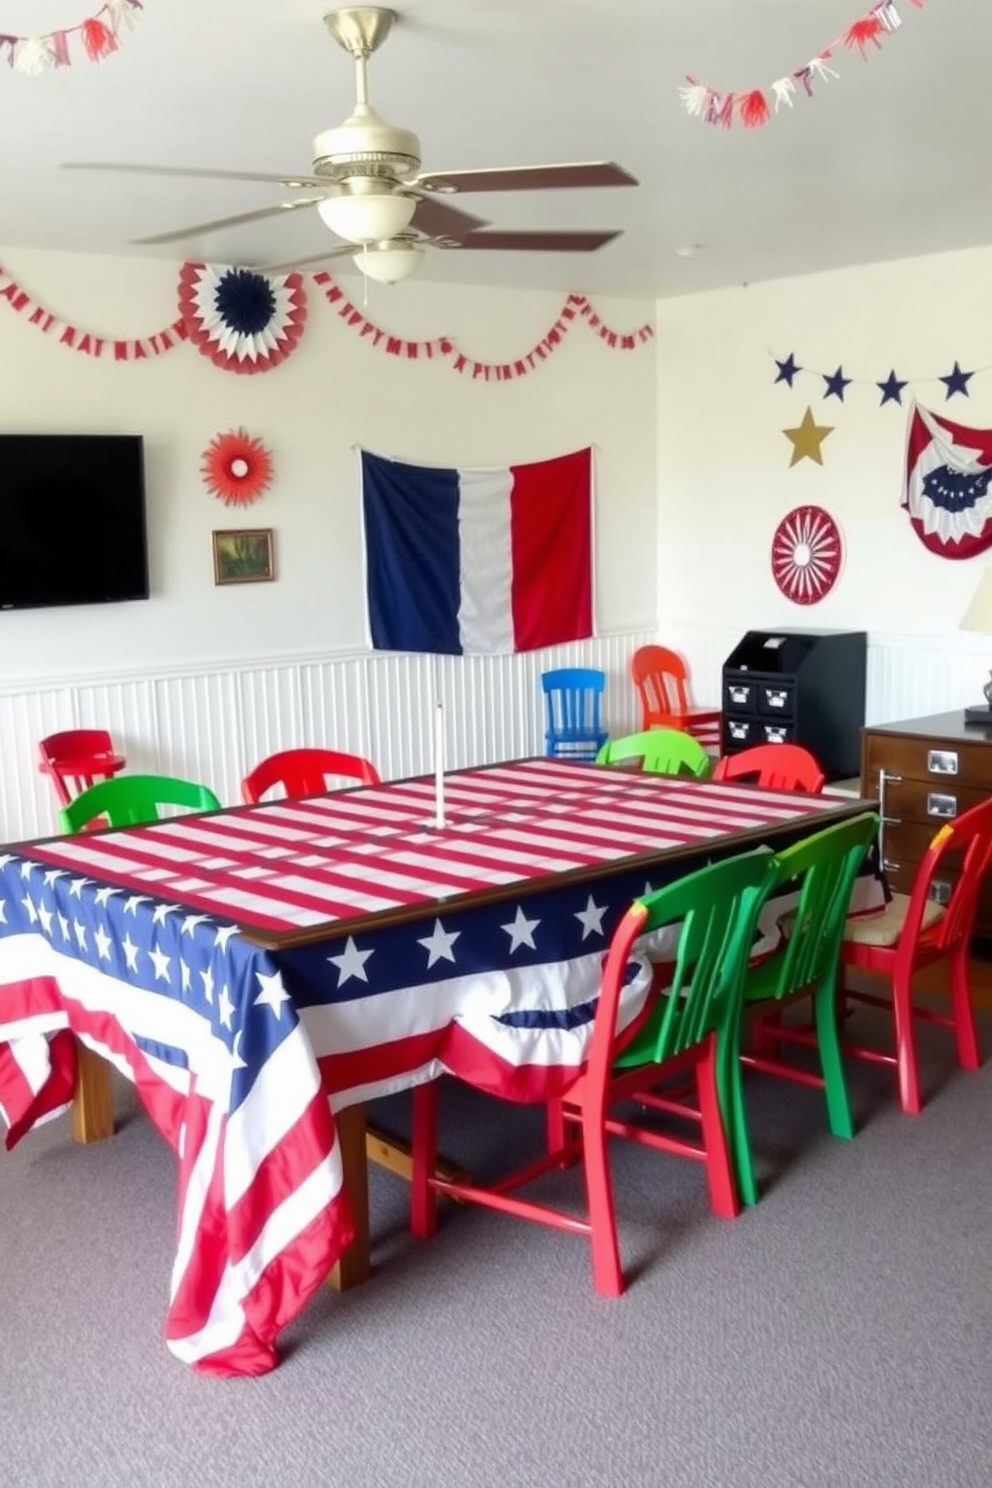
x=304 y=772
x=661 y=678
x=915 y=931
x=786 y=767
x=78 y=758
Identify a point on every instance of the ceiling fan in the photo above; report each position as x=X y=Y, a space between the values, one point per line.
x=372 y=193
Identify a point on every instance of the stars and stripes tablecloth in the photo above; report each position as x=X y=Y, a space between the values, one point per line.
x=463 y=950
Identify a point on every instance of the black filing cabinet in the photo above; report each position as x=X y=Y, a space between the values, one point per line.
x=798 y=686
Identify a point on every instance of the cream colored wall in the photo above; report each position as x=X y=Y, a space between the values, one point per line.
x=724 y=480
x=334 y=392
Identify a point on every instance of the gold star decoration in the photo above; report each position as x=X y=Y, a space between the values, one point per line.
x=806 y=440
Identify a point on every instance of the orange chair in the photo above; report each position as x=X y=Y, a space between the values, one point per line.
x=914 y=931
x=661 y=678
x=787 y=767
x=78 y=758
x=304 y=772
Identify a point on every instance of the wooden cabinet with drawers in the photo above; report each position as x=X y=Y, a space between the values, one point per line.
x=923 y=772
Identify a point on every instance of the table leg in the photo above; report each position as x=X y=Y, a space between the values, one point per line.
x=356 y=1263
x=92 y=1102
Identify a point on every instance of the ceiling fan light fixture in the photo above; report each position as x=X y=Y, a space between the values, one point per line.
x=389 y=263
x=367 y=218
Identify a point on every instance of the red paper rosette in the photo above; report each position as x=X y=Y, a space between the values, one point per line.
x=243 y=321
x=236 y=468
x=806 y=554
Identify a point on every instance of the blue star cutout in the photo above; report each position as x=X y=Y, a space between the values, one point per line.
x=891 y=389
x=836 y=384
x=787 y=369
x=956 y=382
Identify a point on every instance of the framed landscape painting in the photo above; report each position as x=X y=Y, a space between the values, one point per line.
x=243 y=556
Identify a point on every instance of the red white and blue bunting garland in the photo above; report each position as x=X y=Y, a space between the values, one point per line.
x=100 y=35
x=946 y=492
x=891 y=388
x=242 y=320
x=122 y=349
x=755 y=106
x=576 y=308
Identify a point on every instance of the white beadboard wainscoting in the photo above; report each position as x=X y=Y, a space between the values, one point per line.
x=213 y=723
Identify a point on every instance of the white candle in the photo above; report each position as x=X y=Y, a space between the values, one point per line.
x=439 y=767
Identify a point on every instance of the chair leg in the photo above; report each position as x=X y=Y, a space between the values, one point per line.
x=719 y=1174
x=831 y=1059
x=730 y=1086
x=423 y=1199
x=902 y=1013
x=607 y=1277
x=965 y=1035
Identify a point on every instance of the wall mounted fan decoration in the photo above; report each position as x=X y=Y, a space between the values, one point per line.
x=368 y=188
x=807 y=551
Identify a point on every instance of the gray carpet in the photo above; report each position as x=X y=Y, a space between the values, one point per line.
x=838 y=1334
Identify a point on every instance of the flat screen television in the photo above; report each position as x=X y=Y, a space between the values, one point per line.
x=72 y=520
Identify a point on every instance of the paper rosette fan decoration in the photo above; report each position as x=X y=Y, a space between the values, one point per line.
x=236 y=468
x=806 y=554
x=242 y=321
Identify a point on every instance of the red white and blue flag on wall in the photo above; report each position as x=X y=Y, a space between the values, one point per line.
x=948 y=475
x=478 y=562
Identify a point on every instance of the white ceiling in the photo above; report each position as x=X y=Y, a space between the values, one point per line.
x=888 y=161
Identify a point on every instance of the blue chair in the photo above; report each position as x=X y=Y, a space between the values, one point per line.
x=574 y=699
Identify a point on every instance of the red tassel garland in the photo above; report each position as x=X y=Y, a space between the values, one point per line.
x=753 y=109
x=868 y=29
x=98 y=39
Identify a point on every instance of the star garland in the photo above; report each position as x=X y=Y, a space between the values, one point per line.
x=835 y=384
x=755 y=106
x=100 y=35
x=576 y=307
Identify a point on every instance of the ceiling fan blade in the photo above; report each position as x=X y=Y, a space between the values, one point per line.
x=302 y=263
x=529 y=177
x=181 y=170
x=439 y=219
x=204 y=227
x=539 y=242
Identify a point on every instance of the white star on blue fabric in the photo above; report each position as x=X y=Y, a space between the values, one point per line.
x=80 y=930
x=225 y=1007
x=78 y=885
x=26 y=869
x=6 y=858
x=161 y=910
x=351 y=962
x=130 y=953
x=184 y=976
x=102 y=895
x=45 y=915
x=223 y=934
x=29 y=906
x=103 y=943
x=273 y=993
x=438 y=944
x=521 y=931
x=208 y=984
x=191 y=921
x=64 y=927
x=161 y=963
x=236 y=1061
x=51 y=875
x=131 y=905
x=591 y=918
x=3 y=913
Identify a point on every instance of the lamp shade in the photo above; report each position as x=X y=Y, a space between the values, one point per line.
x=388 y=263
x=978 y=615
x=369 y=217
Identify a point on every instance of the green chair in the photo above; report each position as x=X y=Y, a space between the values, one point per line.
x=128 y=800
x=718 y=910
x=661 y=752
x=822 y=869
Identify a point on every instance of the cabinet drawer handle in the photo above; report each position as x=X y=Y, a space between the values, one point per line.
x=883 y=774
x=942 y=761
x=940 y=890
x=889 y=867
x=938 y=805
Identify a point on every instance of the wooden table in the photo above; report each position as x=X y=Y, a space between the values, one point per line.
x=262 y=972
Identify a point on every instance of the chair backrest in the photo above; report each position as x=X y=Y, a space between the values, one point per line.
x=305 y=772
x=824 y=867
x=775 y=767
x=661 y=679
x=967 y=843
x=661 y=752
x=129 y=800
x=75 y=758
x=574 y=703
x=718 y=907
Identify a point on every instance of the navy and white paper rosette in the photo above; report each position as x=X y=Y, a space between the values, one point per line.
x=243 y=321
